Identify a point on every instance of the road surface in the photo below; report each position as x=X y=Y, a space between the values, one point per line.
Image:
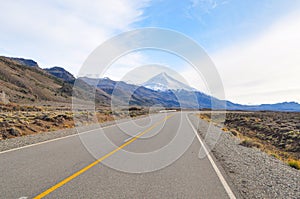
x=90 y=165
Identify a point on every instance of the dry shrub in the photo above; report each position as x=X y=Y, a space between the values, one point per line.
x=234 y=132
x=225 y=129
x=250 y=143
x=294 y=163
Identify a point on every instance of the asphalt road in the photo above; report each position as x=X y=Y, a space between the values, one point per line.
x=153 y=157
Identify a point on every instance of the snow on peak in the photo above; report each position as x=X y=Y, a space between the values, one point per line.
x=163 y=82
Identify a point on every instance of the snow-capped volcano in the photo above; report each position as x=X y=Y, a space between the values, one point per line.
x=163 y=82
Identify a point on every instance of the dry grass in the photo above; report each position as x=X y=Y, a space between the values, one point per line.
x=277 y=134
x=17 y=120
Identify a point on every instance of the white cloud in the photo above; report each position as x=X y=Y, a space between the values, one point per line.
x=124 y=65
x=63 y=32
x=264 y=69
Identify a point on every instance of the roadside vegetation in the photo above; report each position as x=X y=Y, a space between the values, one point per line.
x=18 y=120
x=276 y=133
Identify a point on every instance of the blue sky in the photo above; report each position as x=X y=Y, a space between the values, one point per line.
x=216 y=24
x=254 y=44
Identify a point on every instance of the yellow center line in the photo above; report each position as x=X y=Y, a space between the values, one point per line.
x=68 y=179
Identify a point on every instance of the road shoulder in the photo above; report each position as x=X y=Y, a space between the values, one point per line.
x=253 y=173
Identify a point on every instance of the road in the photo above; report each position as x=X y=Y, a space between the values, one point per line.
x=153 y=157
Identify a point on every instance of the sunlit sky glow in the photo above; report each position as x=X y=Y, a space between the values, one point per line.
x=254 y=44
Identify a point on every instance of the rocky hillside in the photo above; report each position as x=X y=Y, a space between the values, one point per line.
x=26 y=62
x=22 y=81
x=25 y=84
x=61 y=73
x=129 y=94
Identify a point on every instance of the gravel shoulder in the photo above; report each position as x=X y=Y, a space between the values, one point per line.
x=253 y=173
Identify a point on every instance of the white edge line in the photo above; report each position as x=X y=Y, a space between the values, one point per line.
x=60 y=138
x=219 y=174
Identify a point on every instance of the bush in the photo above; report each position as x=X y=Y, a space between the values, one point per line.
x=294 y=163
x=234 y=132
x=225 y=129
x=250 y=143
x=134 y=108
x=14 y=132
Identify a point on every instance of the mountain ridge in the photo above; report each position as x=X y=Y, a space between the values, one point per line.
x=23 y=84
x=26 y=62
x=61 y=73
x=28 y=81
x=183 y=98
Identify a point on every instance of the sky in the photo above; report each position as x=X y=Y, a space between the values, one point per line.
x=254 y=45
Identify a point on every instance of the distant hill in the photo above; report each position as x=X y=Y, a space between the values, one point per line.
x=26 y=62
x=125 y=93
x=22 y=81
x=168 y=97
x=61 y=73
x=26 y=84
x=284 y=106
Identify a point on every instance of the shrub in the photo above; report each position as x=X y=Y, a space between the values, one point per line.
x=234 y=132
x=14 y=132
x=134 y=108
x=250 y=143
x=225 y=129
x=294 y=163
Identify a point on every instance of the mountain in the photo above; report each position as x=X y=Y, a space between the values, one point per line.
x=284 y=106
x=83 y=93
x=164 y=82
x=124 y=94
x=26 y=62
x=61 y=73
x=25 y=84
